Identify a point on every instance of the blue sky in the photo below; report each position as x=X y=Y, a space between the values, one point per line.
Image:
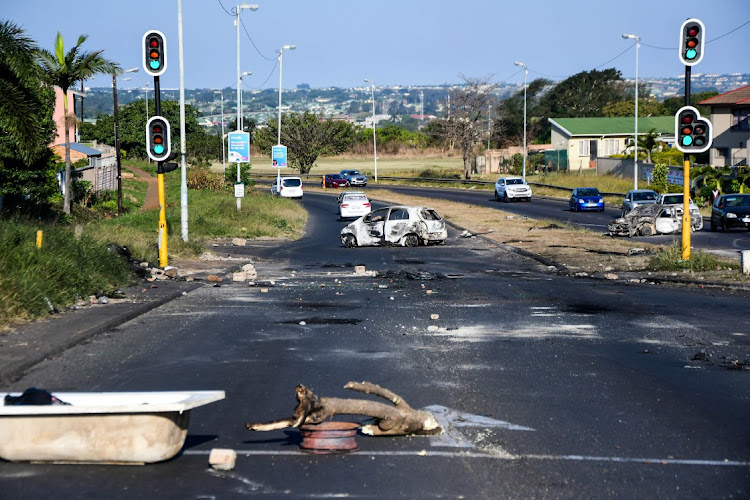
x=406 y=42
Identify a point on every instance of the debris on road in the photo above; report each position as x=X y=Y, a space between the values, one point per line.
x=222 y=459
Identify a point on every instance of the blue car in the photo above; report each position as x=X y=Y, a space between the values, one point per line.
x=587 y=198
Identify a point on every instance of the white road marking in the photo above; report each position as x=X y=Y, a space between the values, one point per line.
x=474 y=454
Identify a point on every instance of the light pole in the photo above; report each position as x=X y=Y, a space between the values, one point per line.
x=145 y=91
x=238 y=10
x=281 y=63
x=374 y=145
x=223 y=152
x=635 y=137
x=525 y=73
x=241 y=124
x=117 y=137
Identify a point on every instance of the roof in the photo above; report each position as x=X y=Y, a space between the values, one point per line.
x=736 y=96
x=614 y=126
x=80 y=148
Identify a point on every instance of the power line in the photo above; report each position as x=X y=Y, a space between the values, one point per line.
x=618 y=55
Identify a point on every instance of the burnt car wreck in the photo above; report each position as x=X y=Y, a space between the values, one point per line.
x=648 y=220
x=397 y=225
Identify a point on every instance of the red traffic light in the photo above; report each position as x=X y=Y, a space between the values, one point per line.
x=153 y=42
x=693 y=30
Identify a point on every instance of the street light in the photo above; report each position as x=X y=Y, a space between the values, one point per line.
x=145 y=90
x=635 y=137
x=117 y=137
x=238 y=10
x=241 y=124
x=525 y=73
x=281 y=62
x=223 y=153
x=374 y=146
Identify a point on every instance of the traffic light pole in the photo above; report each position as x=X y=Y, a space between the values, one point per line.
x=163 y=255
x=687 y=225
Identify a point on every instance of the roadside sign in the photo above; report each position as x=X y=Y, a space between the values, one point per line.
x=239 y=147
x=239 y=190
x=278 y=156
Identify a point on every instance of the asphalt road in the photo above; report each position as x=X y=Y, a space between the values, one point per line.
x=555 y=209
x=549 y=387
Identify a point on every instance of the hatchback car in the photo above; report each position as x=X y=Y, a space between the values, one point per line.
x=291 y=187
x=334 y=181
x=677 y=200
x=512 y=188
x=636 y=198
x=355 y=177
x=586 y=198
x=353 y=204
x=397 y=225
x=731 y=211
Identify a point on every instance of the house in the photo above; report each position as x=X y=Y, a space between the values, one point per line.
x=586 y=139
x=731 y=128
x=101 y=170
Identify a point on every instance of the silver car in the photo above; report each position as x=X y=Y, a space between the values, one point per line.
x=397 y=225
x=636 y=198
x=355 y=177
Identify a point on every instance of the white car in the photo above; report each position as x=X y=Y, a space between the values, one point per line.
x=397 y=225
x=677 y=200
x=353 y=204
x=512 y=188
x=291 y=187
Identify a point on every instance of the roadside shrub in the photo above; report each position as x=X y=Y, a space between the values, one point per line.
x=671 y=260
x=202 y=179
x=230 y=175
x=437 y=174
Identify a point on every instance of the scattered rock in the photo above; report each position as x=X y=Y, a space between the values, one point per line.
x=434 y=316
x=170 y=272
x=611 y=276
x=359 y=270
x=432 y=328
x=239 y=242
x=214 y=279
x=701 y=356
x=222 y=459
x=239 y=276
x=250 y=272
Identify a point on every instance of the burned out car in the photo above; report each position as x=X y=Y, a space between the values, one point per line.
x=407 y=226
x=648 y=220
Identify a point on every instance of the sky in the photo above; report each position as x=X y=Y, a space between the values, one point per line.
x=339 y=43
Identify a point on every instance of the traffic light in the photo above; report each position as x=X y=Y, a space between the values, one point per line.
x=154 y=52
x=157 y=138
x=692 y=34
x=692 y=133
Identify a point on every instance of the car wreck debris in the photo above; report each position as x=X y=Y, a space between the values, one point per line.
x=648 y=220
x=397 y=420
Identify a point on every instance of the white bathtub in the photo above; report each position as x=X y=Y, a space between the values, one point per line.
x=108 y=427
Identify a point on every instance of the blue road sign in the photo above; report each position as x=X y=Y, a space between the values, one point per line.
x=239 y=147
x=278 y=156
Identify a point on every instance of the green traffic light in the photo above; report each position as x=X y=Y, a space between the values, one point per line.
x=158 y=149
x=154 y=64
x=687 y=140
x=691 y=54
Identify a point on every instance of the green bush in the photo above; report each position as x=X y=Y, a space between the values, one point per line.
x=671 y=260
x=201 y=178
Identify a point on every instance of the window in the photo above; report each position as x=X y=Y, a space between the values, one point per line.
x=739 y=119
x=611 y=146
x=583 y=147
x=399 y=214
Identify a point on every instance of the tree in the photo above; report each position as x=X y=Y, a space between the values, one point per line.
x=64 y=70
x=585 y=94
x=626 y=108
x=508 y=126
x=648 y=143
x=306 y=137
x=466 y=125
x=673 y=104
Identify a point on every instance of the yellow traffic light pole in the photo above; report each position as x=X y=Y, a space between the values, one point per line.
x=687 y=225
x=163 y=260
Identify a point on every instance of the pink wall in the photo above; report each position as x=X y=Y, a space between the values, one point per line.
x=58 y=116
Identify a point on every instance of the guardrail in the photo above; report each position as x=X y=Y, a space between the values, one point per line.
x=440 y=180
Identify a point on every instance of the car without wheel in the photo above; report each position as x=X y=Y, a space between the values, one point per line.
x=586 y=198
x=512 y=188
x=676 y=200
x=407 y=226
x=731 y=211
x=353 y=204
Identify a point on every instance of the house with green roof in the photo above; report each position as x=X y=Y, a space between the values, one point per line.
x=585 y=139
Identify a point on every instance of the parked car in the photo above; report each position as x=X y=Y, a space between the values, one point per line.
x=586 y=198
x=676 y=199
x=730 y=211
x=407 y=226
x=648 y=220
x=353 y=204
x=291 y=187
x=355 y=177
x=334 y=181
x=510 y=188
x=636 y=198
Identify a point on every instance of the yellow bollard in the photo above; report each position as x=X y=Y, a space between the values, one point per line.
x=39 y=237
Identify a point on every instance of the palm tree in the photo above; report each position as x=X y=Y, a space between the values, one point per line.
x=19 y=83
x=648 y=143
x=64 y=71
